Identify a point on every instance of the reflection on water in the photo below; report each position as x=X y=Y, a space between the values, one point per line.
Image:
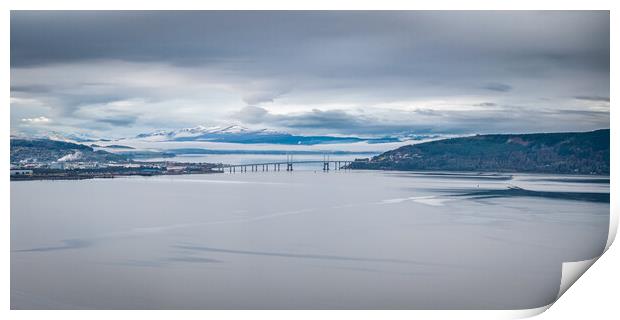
x=293 y=255
x=519 y=192
x=312 y=240
x=67 y=244
x=576 y=180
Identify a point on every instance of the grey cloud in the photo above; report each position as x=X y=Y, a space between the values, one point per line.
x=72 y=102
x=499 y=87
x=500 y=119
x=252 y=114
x=592 y=98
x=31 y=89
x=427 y=112
x=320 y=119
x=263 y=96
x=309 y=60
x=66 y=104
x=119 y=121
x=335 y=43
x=258 y=98
x=328 y=121
x=588 y=114
x=486 y=104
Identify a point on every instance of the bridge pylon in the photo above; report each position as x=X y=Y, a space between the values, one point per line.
x=289 y=163
x=325 y=162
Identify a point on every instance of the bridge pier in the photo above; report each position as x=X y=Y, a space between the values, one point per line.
x=276 y=166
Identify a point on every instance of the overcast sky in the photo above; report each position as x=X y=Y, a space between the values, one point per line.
x=349 y=73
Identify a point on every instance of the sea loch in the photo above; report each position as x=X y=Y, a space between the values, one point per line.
x=302 y=240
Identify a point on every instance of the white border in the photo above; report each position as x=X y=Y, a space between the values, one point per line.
x=574 y=268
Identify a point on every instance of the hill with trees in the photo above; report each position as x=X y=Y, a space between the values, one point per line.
x=562 y=153
x=45 y=150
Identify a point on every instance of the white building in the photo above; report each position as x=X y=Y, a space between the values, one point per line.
x=19 y=172
x=57 y=165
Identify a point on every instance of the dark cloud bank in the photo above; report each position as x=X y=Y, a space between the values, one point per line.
x=497 y=71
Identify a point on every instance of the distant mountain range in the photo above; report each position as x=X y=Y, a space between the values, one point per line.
x=25 y=151
x=229 y=134
x=239 y=134
x=60 y=136
x=562 y=153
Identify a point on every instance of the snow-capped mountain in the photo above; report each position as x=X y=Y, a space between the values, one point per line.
x=200 y=132
x=67 y=137
x=240 y=134
x=228 y=134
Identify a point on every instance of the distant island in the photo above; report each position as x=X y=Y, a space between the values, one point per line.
x=560 y=153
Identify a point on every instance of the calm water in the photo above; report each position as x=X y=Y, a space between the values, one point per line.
x=311 y=240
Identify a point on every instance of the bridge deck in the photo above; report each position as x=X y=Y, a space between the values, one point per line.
x=282 y=162
x=264 y=166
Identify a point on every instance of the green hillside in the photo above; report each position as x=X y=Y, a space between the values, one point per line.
x=574 y=152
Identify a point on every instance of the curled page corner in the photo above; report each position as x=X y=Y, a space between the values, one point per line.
x=571 y=271
x=613 y=226
x=527 y=313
